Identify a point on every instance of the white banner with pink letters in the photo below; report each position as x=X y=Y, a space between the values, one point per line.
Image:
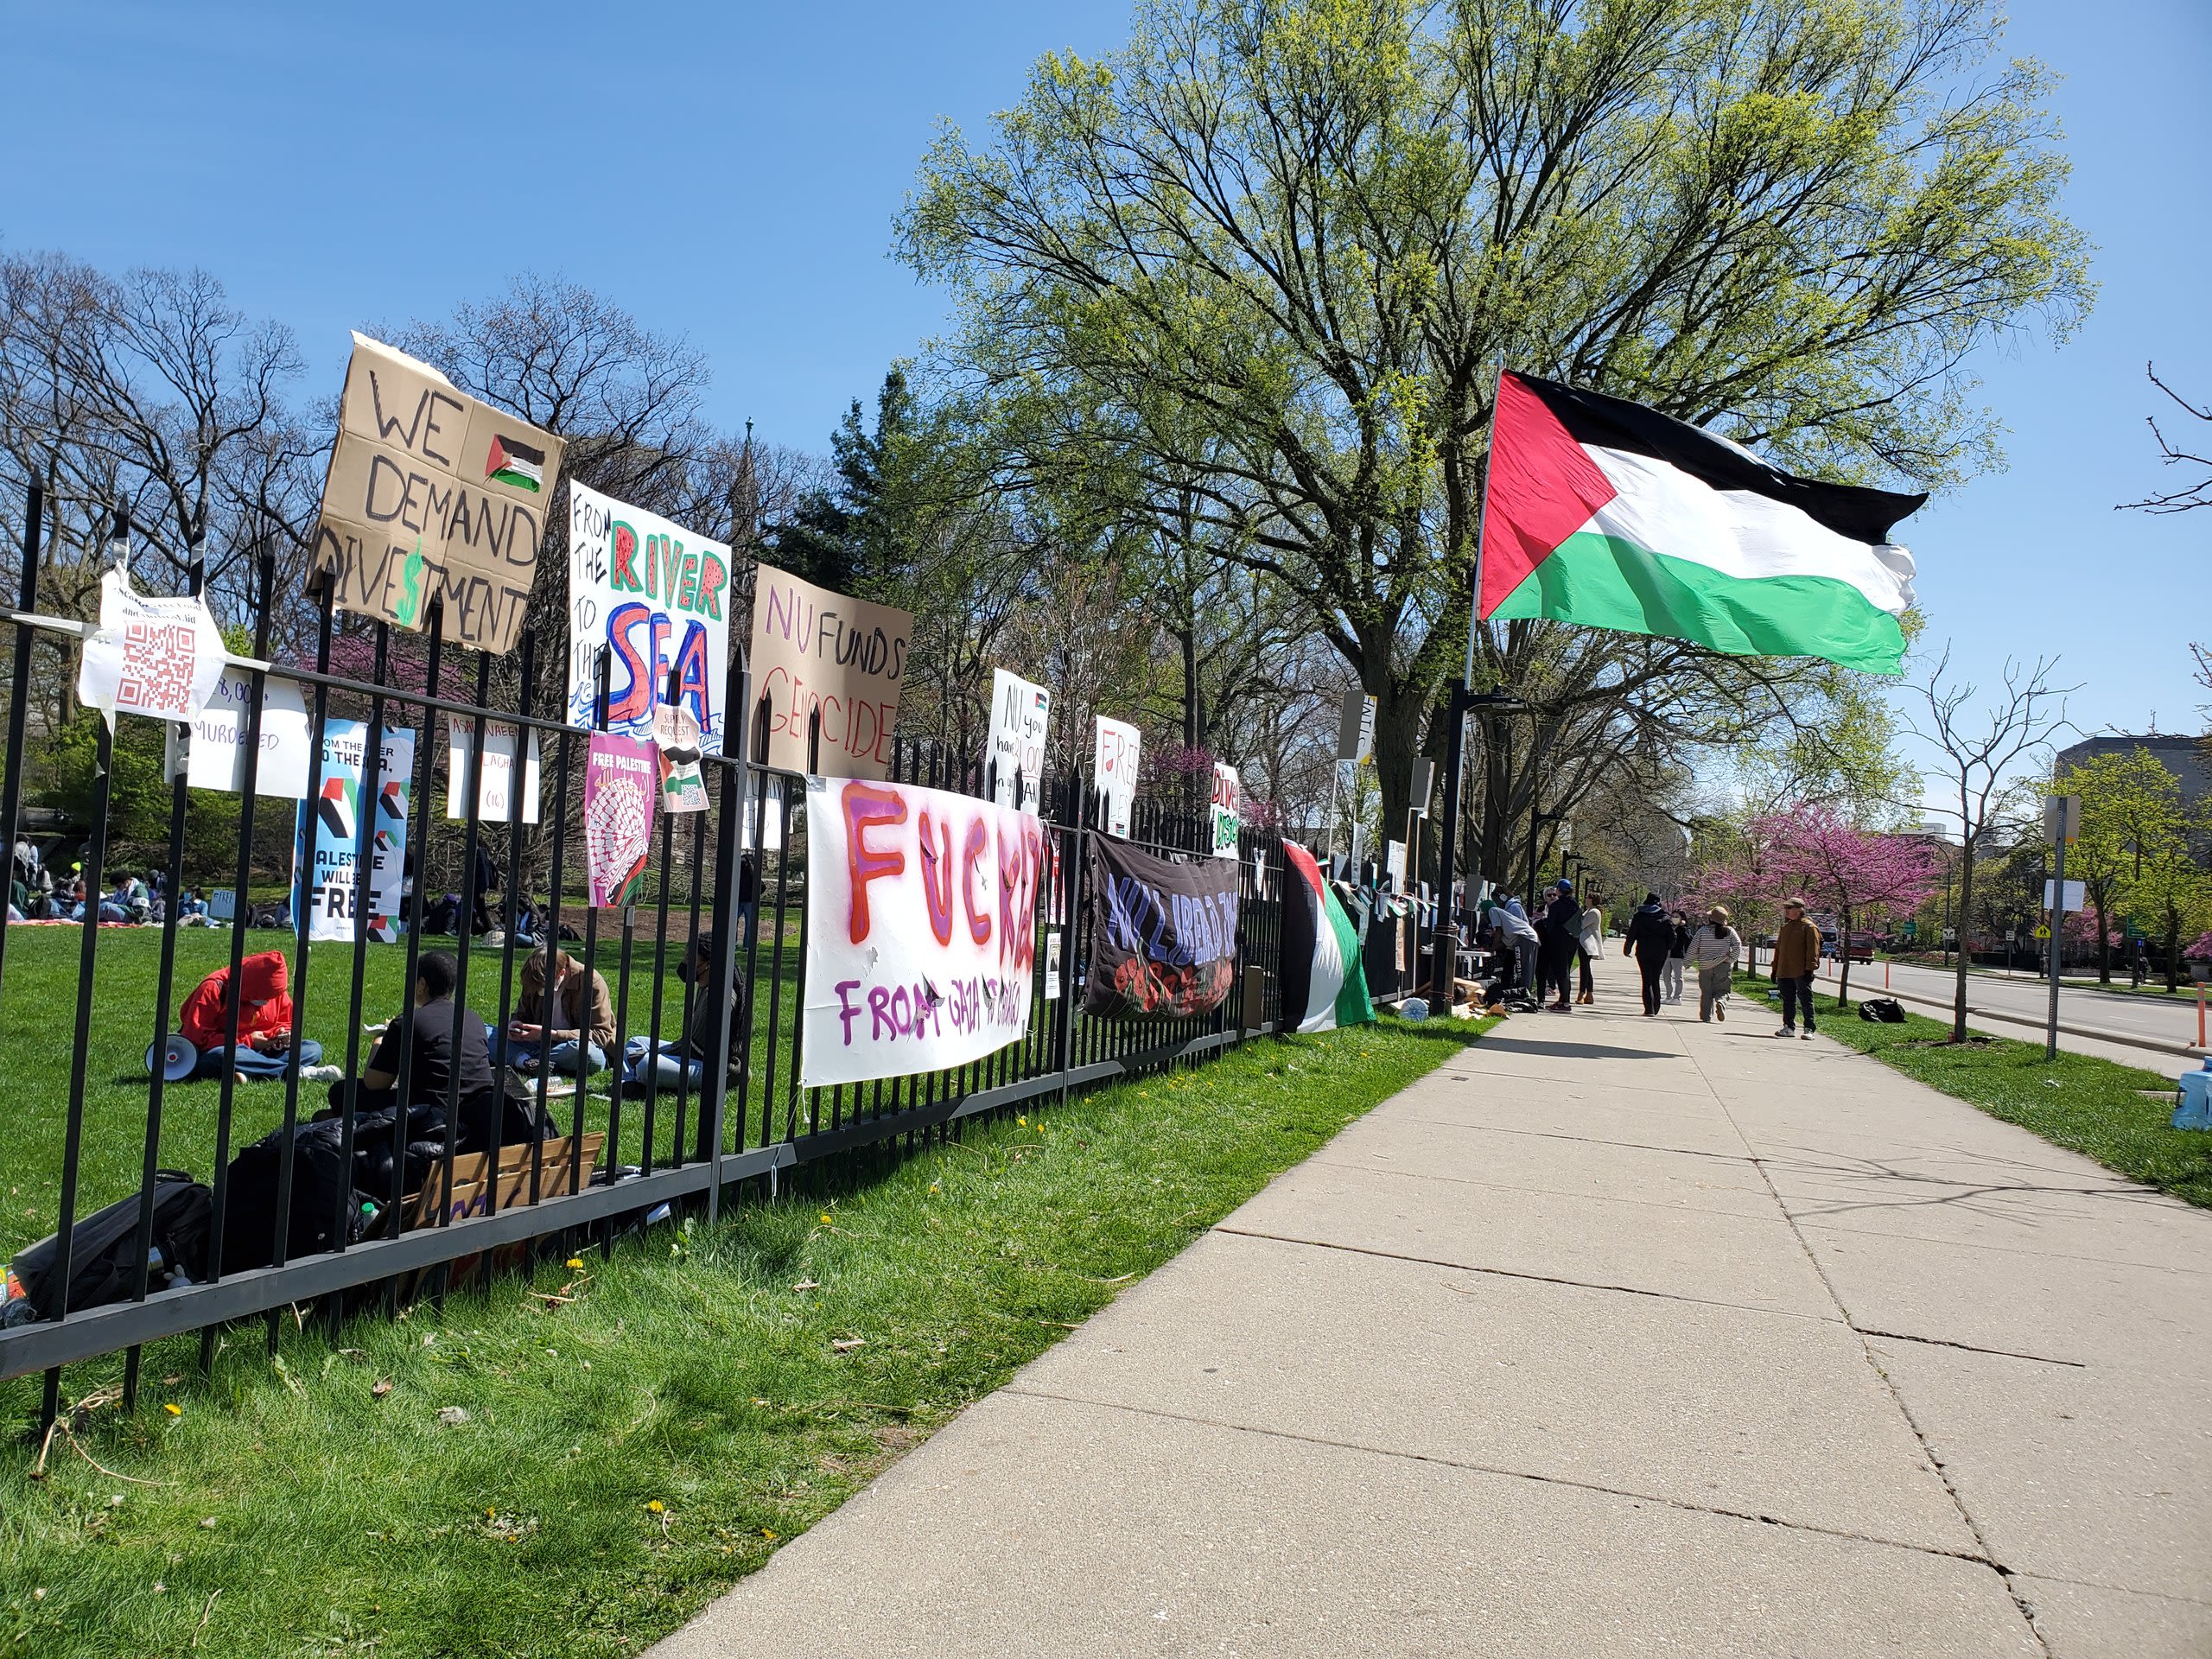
x=921 y=928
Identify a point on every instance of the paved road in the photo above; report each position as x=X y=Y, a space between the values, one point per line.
x=1611 y=1337
x=2171 y=1022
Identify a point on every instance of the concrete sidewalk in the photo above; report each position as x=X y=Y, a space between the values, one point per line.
x=1612 y=1336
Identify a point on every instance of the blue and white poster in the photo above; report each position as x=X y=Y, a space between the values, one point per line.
x=331 y=824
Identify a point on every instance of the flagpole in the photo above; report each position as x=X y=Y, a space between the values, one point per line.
x=1446 y=936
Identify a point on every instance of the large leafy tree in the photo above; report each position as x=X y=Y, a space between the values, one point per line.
x=1277 y=251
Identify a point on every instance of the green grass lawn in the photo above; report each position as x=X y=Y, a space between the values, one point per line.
x=2096 y=1107
x=37 y=1030
x=628 y=1452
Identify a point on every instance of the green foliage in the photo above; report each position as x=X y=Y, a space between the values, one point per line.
x=2138 y=852
x=63 y=774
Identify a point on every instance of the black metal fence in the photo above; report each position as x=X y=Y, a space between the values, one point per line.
x=714 y=945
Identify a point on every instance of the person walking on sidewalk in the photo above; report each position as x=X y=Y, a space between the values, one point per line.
x=1591 y=945
x=1678 y=954
x=1796 y=956
x=1713 y=951
x=1650 y=940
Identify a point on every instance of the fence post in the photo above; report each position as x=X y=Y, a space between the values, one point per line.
x=729 y=913
x=12 y=791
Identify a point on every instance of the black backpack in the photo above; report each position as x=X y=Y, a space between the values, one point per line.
x=104 y=1248
x=323 y=1199
x=1882 y=1010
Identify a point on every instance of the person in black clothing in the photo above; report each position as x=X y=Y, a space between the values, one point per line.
x=484 y=881
x=446 y=1037
x=1650 y=940
x=1563 y=918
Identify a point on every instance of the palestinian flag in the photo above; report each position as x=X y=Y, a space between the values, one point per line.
x=335 y=809
x=1603 y=512
x=512 y=461
x=1324 y=986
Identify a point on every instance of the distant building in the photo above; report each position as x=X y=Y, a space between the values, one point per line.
x=2185 y=757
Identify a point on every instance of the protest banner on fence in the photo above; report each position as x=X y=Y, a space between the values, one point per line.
x=1114 y=773
x=813 y=649
x=157 y=657
x=215 y=756
x=652 y=598
x=921 y=928
x=1021 y=714
x=675 y=737
x=621 y=776
x=328 y=840
x=495 y=799
x=432 y=493
x=1163 y=933
x=1228 y=809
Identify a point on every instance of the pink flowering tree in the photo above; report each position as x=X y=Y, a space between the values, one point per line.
x=1738 y=874
x=1855 y=875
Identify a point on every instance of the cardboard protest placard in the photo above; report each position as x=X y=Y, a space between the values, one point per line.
x=813 y=649
x=921 y=928
x=621 y=776
x=494 y=798
x=1021 y=713
x=675 y=736
x=160 y=657
x=1163 y=934
x=1228 y=809
x=1114 y=773
x=215 y=755
x=327 y=875
x=654 y=599
x=432 y=494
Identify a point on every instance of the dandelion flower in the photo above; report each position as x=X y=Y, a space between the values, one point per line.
x=173 y=1408
x=656 y=1506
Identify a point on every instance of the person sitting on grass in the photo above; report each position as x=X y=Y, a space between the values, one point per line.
x=266 y=1021
x=447 y=1037
x=574 y=1017
x=685 y=1060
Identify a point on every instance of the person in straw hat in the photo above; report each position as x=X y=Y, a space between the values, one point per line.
x=1796 y=956
x=1713 y=950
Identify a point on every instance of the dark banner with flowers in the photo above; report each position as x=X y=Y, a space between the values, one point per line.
x=1163 y=933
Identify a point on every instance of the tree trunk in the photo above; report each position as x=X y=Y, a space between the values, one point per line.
x=1966 y=898
x=2104 y=944
x=1843 y=947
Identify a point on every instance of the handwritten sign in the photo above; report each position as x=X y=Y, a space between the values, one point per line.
x=495 y=797
x=1021 y=713
x=1227 y=809
x=675 y=736
x=621 y=776
x=1163 y=934
x=215 y=758
x=432 y=493
x=325 y=853
x=654 y=599
x=813 y=649
x=921 y=928
x=157 y=657
x=1114 y=773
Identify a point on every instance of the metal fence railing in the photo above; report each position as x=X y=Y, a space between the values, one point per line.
x=714 y=947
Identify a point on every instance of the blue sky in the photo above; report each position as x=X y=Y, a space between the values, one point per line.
x=729 y=174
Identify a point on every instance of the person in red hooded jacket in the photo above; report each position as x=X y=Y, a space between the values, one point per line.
x=265 y=1018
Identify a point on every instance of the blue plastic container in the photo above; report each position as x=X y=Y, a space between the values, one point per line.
x=2194 y=1111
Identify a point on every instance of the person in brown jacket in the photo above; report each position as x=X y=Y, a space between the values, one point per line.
x=573 y=1017
x=1797 y=954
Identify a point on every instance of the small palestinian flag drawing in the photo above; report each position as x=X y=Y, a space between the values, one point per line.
x=514 y=463
x=386 y=841
x=1324 y=982
x=1603 y=512
x=393 y=799
x=336 y=808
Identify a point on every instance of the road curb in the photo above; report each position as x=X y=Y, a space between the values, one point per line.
x=2095 y=1034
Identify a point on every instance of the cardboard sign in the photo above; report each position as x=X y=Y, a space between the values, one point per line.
x=677 y=737
x=1113 y=771
x=921 y=928
x=621 y=776
x=326 y=852
x=813 y=649
x=1021 y=715
x=1163 y=934
x=215 y=757
x=495 y=798
x=654 y=599
x=1227 y=809
x=432 y=494
x=160 y=657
